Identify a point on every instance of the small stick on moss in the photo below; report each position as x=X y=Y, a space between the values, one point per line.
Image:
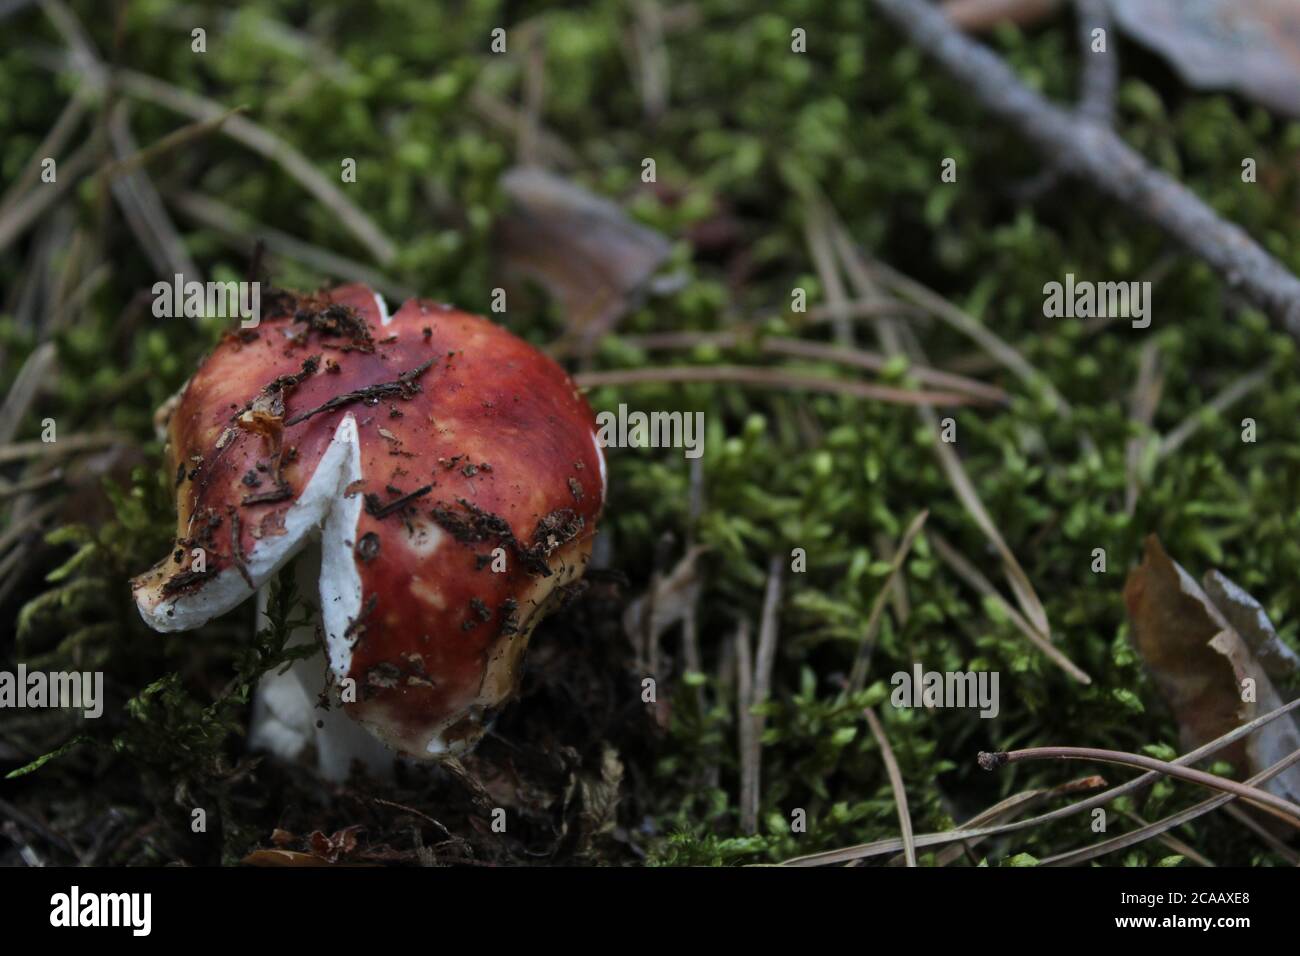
x=1220 y=403
x=1002 y=351
x=1282 y=809
x=858 y=675
x=52 y=145
x=1170 y=841
x=1277 y=846
x=412 y=811
x=25 y=485
x=972 y=576
x=174 y=140
x=66 y=445
x=800 y=348
x=270 y=146
x=690 y=621
x=818 y=235
x=1142 y=410
x=1146 y=832
x=235 y=229
x=893 y=845
x=895 y=782
x=765 y=660
x=1008 y=809
x=770 y=378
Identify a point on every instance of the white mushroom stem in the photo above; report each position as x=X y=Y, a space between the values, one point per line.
x=288 y=719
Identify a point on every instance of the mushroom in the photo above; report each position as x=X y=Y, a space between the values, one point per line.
x=442 y=480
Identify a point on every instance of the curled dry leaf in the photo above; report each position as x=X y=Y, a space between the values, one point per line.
x=581 y=248
x=1201 y=664
x=1250 y=46
x=1248 y=618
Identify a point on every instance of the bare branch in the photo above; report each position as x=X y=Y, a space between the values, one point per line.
x=1097 y=154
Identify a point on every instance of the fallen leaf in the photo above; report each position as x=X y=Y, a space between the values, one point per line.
x=337 y=845
x=1246 y=615
x=1250 y=46
x=1199 y=663
x=581 y=248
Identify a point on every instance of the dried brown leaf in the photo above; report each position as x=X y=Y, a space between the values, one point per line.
x=581 y=248
x=1200 y=665
x=1250 y=46
x=1246 y=615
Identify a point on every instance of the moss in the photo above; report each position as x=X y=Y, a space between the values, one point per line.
x=863 y=119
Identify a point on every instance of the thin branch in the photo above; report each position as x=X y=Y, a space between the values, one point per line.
x=27 y=523
x=749 y=747
x=1220 y=403
x=1097 y=154
x=873 y=361
x=896 y=783
x=768 y=631
x=858 y=675
x=242 y=233
x=1142 y=412
x=1284 y=810
x=1277 y=846
x=649 y=53
x=818 y=234
x=769 y=378
x=1003 y=352
x=34 y=374
x=141 y=205
x=29 y=207
x=969 y=573
x=800 y=348
x=690 y=620
x=1006 y=809
x=534 y=95
x=53 y=143
x=33 y=483
x=893 y=845
x=1100 y=79
x=272 y=147
x=507 y=117
x=1172 y=842
x=1134 y=837
x=68 y=445
x=182 y=136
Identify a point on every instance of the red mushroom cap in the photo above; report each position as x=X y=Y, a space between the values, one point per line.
x=417 y=445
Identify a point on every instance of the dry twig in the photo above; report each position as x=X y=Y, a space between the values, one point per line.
x=896 y=783
x=1097 y=154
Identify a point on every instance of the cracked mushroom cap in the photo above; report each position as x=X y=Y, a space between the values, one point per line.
x=451 y=471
